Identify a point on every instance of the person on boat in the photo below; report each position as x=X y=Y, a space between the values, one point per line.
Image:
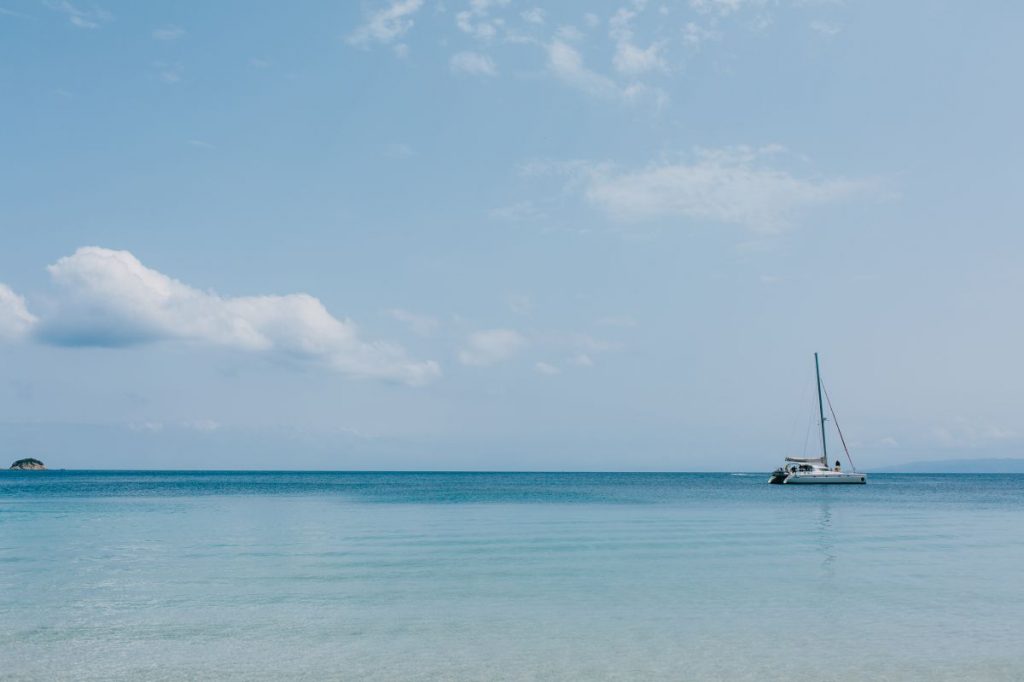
x=838 y=466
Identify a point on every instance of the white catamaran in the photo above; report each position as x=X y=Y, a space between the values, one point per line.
x=816 y=469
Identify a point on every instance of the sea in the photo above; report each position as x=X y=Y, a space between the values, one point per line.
x=181 y=575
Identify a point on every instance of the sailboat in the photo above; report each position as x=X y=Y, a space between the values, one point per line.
x=805 y=470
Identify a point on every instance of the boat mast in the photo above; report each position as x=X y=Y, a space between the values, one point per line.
x=821 y=413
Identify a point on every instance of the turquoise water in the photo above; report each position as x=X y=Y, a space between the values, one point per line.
x=392 y=576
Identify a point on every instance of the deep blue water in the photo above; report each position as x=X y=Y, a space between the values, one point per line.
x=274 y=575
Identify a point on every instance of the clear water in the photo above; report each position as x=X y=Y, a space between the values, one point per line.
x=173 y=575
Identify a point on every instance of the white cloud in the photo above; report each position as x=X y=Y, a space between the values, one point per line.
x=204 y=425
x=473 y=63
x=694 y=35
x=80 y=18
x=582 y=360
x=518 y=212
x=720 y=7
x=545 y=368
x=109 y=298
x=386 y=24
x=961 y=432
x=566 y=63
x=491 y=346
x=534 y=15
x=825 y=28
x=630 y=59
x=423 y=325
x=732 y=185
x=15 y=319
x=476 y=20
x=168 y=33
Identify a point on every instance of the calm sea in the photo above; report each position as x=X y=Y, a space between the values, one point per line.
x=409 y=576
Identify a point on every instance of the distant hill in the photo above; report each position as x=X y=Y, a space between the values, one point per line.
x=958 y=466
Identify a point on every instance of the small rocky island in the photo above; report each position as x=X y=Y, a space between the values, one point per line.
x=28 y=463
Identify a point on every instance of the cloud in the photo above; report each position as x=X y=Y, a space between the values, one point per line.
x=825 y=28
x=566 y=63
x=90 y=18
x=108 y=298
x=473 y=63
x=15 y=319
x=629 y=59
x=534 y=15
x=733 y=185
x=169 y=73
x=694 y=35
x=386 y=24
x=491 y=346
x=582 y=360
x=423 y=325
x=545 y=368
x=721 y=7
x=476 y=20
x=965 y=433
x=168 y=33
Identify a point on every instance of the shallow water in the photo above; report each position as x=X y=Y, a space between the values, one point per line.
x=210 y=575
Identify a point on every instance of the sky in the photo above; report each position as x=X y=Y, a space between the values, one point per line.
x=502 y=235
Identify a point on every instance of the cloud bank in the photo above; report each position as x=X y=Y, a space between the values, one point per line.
x=109 y=298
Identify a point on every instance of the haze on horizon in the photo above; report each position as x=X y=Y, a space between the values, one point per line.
x=501 y=235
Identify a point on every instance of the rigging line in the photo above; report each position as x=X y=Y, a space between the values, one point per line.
x=807 y=436
x=805 y=393
x=836 y=422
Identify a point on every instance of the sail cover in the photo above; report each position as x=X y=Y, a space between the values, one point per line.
x=806 y=460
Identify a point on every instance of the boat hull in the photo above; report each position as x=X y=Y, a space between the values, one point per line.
x=824 y=478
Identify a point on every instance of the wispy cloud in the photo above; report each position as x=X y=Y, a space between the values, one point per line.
x=11 y=13
x=80 y=18
x=825 y=28
x=168 y=33
x=15 y=319
x=477 y=22
x=386 y=24
x=735 y=185
x=109 y=298
x=566 y=63
x=473 y=63
x=534 y=15
x=491 y=346
x=423 y=325
x=966 y=433
x=630 y=59
x=169 y=73
x=723 y=7
x=547 y=368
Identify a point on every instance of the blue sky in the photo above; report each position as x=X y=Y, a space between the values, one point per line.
x=507 y=235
